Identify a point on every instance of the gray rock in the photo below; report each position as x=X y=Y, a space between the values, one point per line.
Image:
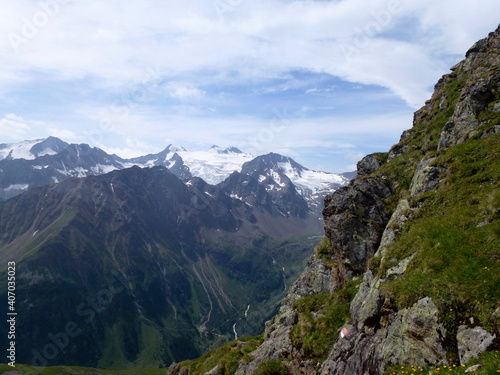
x=482 y=85
x=353 y=355
x=366 y=305
x=316 y=279
x=482 y=224
x=277 y=346
x=472 y=342
x=368 y=165
x=493 y=130
x=399 y=148
x=473 y=368
x=426 y=177
x=396 y=271
x=496 y=314
x=355 y=218
x=398 y=217
x=415 y=337
x=214 y=371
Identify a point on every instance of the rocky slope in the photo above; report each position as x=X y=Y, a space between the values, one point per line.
x=409 y=272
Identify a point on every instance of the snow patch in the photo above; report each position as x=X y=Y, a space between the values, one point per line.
x=309 y=182
x=213 y=166
x=102 y=168
x=47 y=151
x=17 y=187
x=20 y=150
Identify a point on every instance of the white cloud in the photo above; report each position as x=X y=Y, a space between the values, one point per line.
x=66 y=135
x=183 y=91
x=13 y=127
x=154 y=52
x=115 y=42
x=354 y=156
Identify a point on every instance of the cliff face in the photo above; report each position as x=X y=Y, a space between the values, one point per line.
x=410 y=269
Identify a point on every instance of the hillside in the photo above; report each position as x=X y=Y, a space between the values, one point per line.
x=150 y=269
x=407 y=279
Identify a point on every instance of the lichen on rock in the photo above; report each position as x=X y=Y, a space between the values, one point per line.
x=472 y=342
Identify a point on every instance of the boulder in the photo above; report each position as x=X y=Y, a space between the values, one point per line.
x=355 y=218
x=366 y=305
x=398 y=217
x=415 y=337
x=368 y=165
x=426 y=177
x=472 y=342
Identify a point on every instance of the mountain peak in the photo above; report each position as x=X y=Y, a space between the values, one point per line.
x=32 y=149
x=229 y=150
x=174 y=148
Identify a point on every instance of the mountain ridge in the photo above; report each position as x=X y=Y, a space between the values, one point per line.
x=406 y=278
x=46 y=165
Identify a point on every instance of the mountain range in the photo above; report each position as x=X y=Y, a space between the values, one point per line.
x=40 y=162
x=155 y=258
x=407 y=277
x=138 y=268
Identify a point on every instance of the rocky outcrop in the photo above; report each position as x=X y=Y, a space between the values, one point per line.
x=426 y=177
x=398 y=217
x=355 y=218
x=366 y=305
x=400 y=148
x=316 y=279
x=368 y=164
x=481 y=69
x=472 y=342
x=414 y=336
x=362 y=225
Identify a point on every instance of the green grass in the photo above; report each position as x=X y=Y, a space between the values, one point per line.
x=70 y=370
x=325 y=252
x=457 y=263
x=274 y=367
x=489 y=361
x=321 y=317
x=227 y=357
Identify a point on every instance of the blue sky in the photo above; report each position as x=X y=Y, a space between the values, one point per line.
x=325 y=82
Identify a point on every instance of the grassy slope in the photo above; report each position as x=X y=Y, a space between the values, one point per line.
x=456 y=261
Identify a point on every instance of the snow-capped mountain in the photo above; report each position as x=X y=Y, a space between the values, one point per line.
x=40 y=162
x=30 y=150
x=278 y=178
x=213 y=165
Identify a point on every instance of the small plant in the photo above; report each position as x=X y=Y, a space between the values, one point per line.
x=273 y=367
x=325 y=252
x=321 y=317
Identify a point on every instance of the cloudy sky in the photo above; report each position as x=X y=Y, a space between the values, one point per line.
x=325 y=82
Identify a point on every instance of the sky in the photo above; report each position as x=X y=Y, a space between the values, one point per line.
x=325 y=82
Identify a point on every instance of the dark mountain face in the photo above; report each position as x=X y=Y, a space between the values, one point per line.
x=135 y=266
x=278 y=198
x=269 y=161
x=51 y=143
x=73 y=160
